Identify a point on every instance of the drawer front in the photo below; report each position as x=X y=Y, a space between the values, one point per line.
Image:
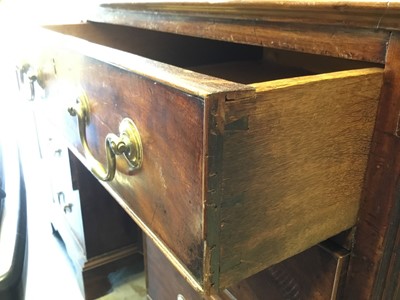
x=65 y=198
x=166 y=193
x=66 y=202
x=235 y=178
x=315 y=274
x=162 y=279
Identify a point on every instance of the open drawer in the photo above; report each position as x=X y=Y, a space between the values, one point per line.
x=235 y=176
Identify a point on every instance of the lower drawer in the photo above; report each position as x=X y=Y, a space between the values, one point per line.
x=317 y=273
x=66 y=206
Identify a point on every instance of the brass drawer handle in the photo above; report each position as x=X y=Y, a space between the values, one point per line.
x=68 y=208
x=128 y=143
x=60 y=197
x=35 y=77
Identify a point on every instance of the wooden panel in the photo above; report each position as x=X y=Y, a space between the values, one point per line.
x=167 y=190
x=163 y=280
x=316 y=64
x=250 y=71
x=96 y=272
x=390 y=276
x=167 y=105
x=260 y=178
x=343 y=42
x=315 y=274
x=181 y=79
x=293 y=176
x=370 y=14
x=170 y=48
x=98 y=235
x=379 y=214
x=106 y=225
x=56 y=162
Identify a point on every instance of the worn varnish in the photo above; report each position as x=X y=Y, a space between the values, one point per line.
x=236 y=177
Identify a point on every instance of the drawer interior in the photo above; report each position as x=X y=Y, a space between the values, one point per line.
x=230 y=61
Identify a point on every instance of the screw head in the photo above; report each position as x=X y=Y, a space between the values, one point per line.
x=121 y=147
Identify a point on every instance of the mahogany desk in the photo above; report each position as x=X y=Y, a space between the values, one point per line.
x=239 y=135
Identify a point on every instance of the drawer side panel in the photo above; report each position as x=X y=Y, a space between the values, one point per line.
x=294 y=177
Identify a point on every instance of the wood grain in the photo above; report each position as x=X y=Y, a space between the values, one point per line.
x=375 y=240
x=315 y=274
x=182 y=79
x=370 y=14
x=295 y=176
x=163 y=280
x=235 y=177
x=338 y=41
x=177 y=50
x=167 y=190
